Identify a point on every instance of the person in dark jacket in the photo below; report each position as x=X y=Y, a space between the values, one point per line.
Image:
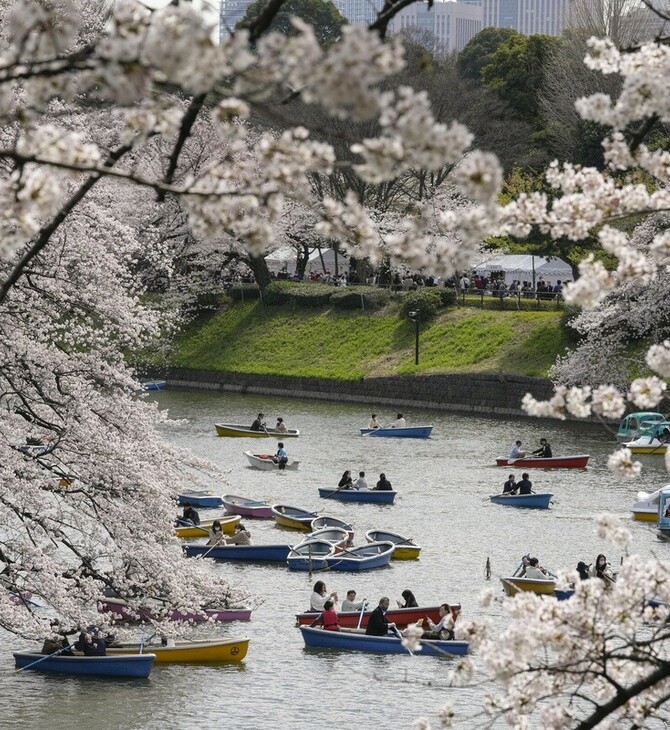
x=383 y=482
x=509 y=487
x=91 y=642
x=259 y=423
x=525 y=486
x=378 y=624
x=190 y=516
x=409 y=600
x=346 y=481
x=544 y=452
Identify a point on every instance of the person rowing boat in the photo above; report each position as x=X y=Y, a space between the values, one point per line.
x=544 y=452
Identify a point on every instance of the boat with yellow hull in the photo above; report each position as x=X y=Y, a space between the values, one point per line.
x=646 y=507
x=405 y=547
x=655 y=442
x=228 y=523
x=294 y=518
x=655 y=447
x=514 y=585
x=189 y=652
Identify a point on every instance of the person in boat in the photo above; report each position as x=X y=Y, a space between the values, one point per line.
x=351 y=604
x=216 y=536
x=374 y=423
x=281 y=457
x=544 y=452
x=259 y=423
x=409 y=601
x=361 y=482
x=603 y=570
x=524 y=486
x=91 y=642
x=583 y=570
x=383 y=483
x=242 y=536
x=319 y=597
x=378 y=624
x=189 y=517
x=517 y=452
x=346 y=481
x=399 y=422
x=534 y=570
x=281 y=426
x=509 y=487
x=444 y=628
x=328 y=617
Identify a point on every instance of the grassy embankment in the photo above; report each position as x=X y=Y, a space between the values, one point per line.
x=342 y=345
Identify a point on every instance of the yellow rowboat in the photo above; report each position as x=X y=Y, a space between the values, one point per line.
x=405 y=548
x=194 y=652
x=236 y=430
x=646 y=507
x=655 y=447
x=294 y=518
x=228 y=523
x=513 y=585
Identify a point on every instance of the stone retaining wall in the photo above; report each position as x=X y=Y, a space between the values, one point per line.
x=475 y=393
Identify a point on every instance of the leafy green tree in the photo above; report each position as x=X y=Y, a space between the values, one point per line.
x=516 y=72
x=478 y=52
x=321 y=14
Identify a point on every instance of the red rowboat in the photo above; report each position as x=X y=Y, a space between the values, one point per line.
x=555 y=462
x=400 y=616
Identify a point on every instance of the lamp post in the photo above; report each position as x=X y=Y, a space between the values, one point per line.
x=414 y=316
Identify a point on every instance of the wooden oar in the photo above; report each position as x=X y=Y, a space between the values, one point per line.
x=335 y=491
x=360 y=617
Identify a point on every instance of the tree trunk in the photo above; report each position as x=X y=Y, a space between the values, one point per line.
x=259 y=267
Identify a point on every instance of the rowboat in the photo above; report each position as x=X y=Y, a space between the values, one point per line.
x=405 y=547
x=514 y=585
x=357 y=640
x=153 y=384
x=293 y=517
x=336 y=536
x=371 y=496
x=364 y=557
x=267 y=553
x=228 y=523
x=643 y=446
x=202 y=499
x=399 y=616
x=310 y=555
x=91 y=666
x=646 y=507
x=409 y=432
x=265 y=462
x=536 y=501
x=237 y=430
x=555 y=462
x=192 y=652
x=246 y=507
x=637 y=424
x=319 y=523
x=122 y=610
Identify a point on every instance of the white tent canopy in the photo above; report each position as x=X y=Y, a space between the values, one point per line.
x=520 y=267
x=286 y=257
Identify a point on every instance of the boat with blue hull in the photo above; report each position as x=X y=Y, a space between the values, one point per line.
x=368 y=496
x=409 y=432
x=364 y=557
x=137 y=666
x=310 y=555
x=353 y=640
x=533 y=501
x=275 y=553
x=153 y=384
x=204 y=500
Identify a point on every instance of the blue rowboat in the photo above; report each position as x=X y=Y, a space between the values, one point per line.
x=310 y=555
x=99 y=666
x=409 y=432
x=319 y=523
x=564 y=595
x=347 y=640
x=536 y=501
x=364 y=557
x=153 y=384
x=371 y=496
x=276 y=553
x=204 y=500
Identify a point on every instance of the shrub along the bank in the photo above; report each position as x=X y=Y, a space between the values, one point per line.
x=242 y=292
x=360 y=297
x=425 y=302
x=298 y=294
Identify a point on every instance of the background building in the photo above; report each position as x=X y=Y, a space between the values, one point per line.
x=451 y=24
x=526 y=16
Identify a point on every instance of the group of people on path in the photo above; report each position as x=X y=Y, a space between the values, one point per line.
x=260 y=425
x=348 y=482
x=378 y=623
x=398 y=423
x=544 y=452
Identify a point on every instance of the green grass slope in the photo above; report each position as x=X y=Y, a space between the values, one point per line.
x=341 y=345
